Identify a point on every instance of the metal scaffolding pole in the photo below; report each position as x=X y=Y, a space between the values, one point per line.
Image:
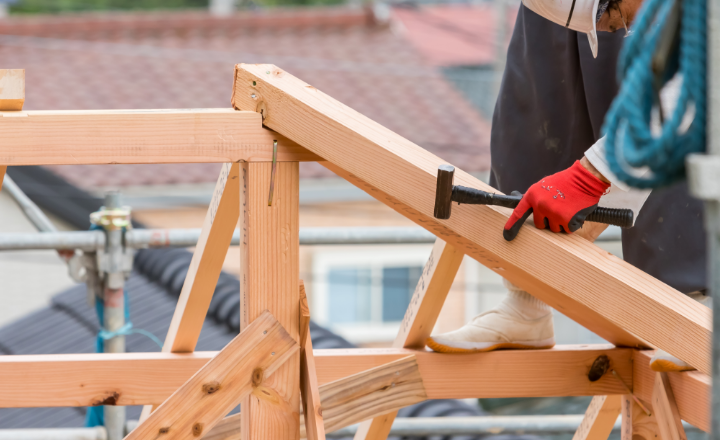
x=113 y=220
x=29 y=208
x=92 y=241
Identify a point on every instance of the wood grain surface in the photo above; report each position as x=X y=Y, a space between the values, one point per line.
x=140 y=136
x=612 y=298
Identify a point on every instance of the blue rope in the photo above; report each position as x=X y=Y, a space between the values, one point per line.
x=95 y=415
x=630 y=143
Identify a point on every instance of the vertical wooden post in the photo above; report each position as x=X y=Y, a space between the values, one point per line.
x=665 y=409
x=636 y=423
x=269 y=277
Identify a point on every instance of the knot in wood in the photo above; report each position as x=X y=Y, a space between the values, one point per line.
x=112 y=400
x=599 y=368
x=257 y=377
x=164 y=430
x=197 y=429
x=211 y=387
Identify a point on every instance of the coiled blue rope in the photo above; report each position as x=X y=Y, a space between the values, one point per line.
x=629 y=142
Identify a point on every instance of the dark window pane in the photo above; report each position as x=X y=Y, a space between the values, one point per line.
x=349 y=295
x=398 y=286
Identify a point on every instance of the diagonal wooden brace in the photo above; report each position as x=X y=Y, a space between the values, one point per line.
x=222 y=383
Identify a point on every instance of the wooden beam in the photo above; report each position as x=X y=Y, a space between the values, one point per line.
x=636 y=423
x=309 y=389
x=352 y=399
x=149 y=378
x=141 y=136
x=237 y=370
x=380 y=390
x=600 y=417
x=12 y=89
x=585 y=283
x=269 y=276
x=420 y=318
x=666 y=411
x=205 y=266
x=3 y=169
x=691 y=389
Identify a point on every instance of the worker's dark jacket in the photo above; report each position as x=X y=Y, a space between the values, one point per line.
x=552 y=102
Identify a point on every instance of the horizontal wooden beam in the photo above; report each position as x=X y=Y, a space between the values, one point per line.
x=140 y=136
x=149 y=378
x=610 y=297
x=692 y=390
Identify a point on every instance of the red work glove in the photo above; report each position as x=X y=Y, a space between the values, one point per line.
x=559 y=202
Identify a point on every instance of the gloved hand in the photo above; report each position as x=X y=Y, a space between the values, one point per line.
x=559 y=202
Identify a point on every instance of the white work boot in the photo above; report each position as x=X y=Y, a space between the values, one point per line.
x=520 y=321
x=664 y=362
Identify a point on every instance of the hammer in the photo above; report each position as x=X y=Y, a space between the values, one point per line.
x=446 y=193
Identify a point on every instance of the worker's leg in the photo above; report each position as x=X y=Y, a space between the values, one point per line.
x=543 y=94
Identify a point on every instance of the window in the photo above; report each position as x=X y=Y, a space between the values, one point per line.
x=363 y=292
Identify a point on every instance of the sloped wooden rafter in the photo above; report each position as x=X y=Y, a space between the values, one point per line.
x=568 y=273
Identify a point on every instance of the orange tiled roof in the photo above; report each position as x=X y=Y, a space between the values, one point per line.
x=185 y=60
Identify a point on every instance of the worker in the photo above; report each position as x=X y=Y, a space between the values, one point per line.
x=557 y=86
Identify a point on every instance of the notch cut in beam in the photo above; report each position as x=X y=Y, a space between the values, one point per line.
x=236 y=371
x=585 y=283
x=692 y=390
x=141 y=136
x=149 y=378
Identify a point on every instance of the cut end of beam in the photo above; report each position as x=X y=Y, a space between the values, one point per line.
x=12 y=89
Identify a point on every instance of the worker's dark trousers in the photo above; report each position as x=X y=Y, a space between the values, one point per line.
x=552 y=102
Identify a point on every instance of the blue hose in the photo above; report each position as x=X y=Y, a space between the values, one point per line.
x=629 y=142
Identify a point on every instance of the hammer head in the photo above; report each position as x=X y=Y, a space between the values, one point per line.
x=443 y=191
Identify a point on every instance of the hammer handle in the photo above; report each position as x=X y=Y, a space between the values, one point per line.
x=471 y=196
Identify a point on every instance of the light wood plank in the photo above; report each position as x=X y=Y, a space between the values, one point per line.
x=140 y=136
x=666 y=410
x=429 y=296
x=149 y=378
x=309 y=389
x=237 y=370
x=12 y=89
x=205 y=266
x=691 y=389
x=420 y=318
x=600 y=417
x=206 y=263
x=585 y=283
x=269 y=275
x=636 y=424
x=377 y=391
